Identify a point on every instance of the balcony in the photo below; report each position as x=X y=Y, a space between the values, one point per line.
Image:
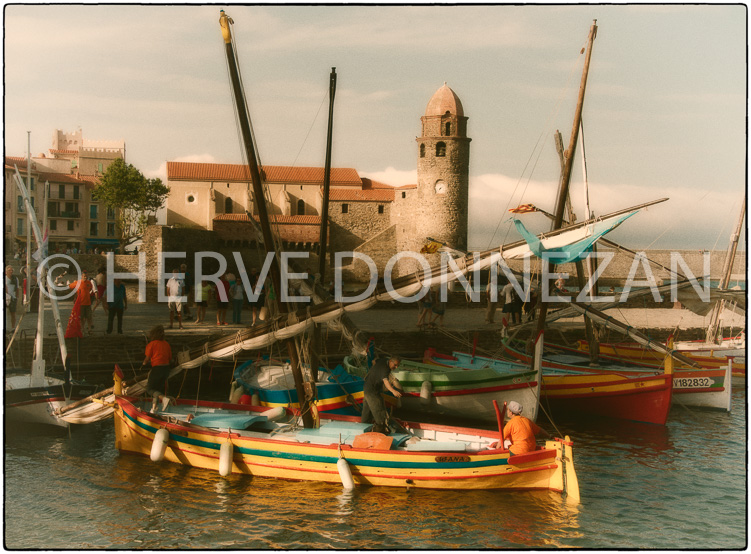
x=65 y=214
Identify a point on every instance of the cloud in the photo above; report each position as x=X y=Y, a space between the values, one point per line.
x=392 y=176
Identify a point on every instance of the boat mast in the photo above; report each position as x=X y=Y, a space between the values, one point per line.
x=38 y=365
x=569 y=162
x=263 y=215
x=314 y=346
x=714 y=322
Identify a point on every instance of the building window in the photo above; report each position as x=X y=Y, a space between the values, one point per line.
x=440 y=149
x=53 y=224
x=100 y=167
x=110 y=229
x=53 y=209
x=190 y=199
x=448 y=128
x=345 y=208
x=93 y=211
x=404 y=195
x=110 y=213
x=422 y=150
x=380 y=208
x=73 y=164
x=31 y=185
x=21 y=206
x=301 y=207
x=61 y=192
x=75 y=192
x=70 y=225
x=19 y=226
x=93 y=228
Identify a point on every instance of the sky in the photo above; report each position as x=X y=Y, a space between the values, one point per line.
x=664 y=112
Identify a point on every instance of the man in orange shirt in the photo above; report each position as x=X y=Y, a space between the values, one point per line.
x=83 y=297
x=159 y=354
x=519 y=433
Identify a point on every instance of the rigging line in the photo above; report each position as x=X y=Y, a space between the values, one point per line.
x=547 y=125
x=669 y=227
x=724 y=225
x=312 y=124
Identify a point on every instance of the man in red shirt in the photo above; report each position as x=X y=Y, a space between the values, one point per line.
x=159 y=354
x=519 y=433
x=83 y=297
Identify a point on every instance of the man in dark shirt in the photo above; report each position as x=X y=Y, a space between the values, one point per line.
x=379 y=377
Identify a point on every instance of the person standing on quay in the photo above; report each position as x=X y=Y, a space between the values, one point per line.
x=203 y=293
x=12 y=287
x=159 y=355
x=222 y=300
x=174 y=293
x=238 y=298
x=85 y=289
x=187 y=289
x=117 y=307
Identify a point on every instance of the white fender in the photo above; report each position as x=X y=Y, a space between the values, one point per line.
x=274 y=413
x=159 y=445
x=345 y=474
x=254 y=400
x=235 y=392
x=425 y=391
x=226 y=452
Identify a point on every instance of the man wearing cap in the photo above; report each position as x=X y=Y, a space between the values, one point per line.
x=519 y=433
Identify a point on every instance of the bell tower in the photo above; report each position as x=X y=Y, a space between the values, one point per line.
x=443 y=171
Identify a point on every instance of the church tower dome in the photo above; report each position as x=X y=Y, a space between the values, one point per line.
x=443 y=170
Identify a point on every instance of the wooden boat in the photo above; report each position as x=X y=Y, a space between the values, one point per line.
x=700 y=388
x=25 y=402
x=270 y=383
x=232 y=438
x=465 y=394
x=642 y=397
x=731 y=351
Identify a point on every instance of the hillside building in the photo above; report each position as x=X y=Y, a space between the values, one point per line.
x=72 y=166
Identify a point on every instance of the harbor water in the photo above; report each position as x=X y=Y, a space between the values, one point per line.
x=683 y=486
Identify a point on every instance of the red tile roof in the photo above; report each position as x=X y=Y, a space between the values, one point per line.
x=273 y=174
x=10 y=161
x=365 y=195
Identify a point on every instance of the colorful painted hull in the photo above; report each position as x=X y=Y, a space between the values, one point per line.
x=634 y=396
x=707 y=358
x=697 y=388
x=443 y=457
x=465 y=394
x=273 y=383
x=25 y=404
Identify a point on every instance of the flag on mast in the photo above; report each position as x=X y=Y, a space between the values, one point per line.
x=524 y=209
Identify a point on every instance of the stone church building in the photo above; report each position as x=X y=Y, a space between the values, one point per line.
x=365 y=216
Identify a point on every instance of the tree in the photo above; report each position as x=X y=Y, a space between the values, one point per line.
x=132 y=196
